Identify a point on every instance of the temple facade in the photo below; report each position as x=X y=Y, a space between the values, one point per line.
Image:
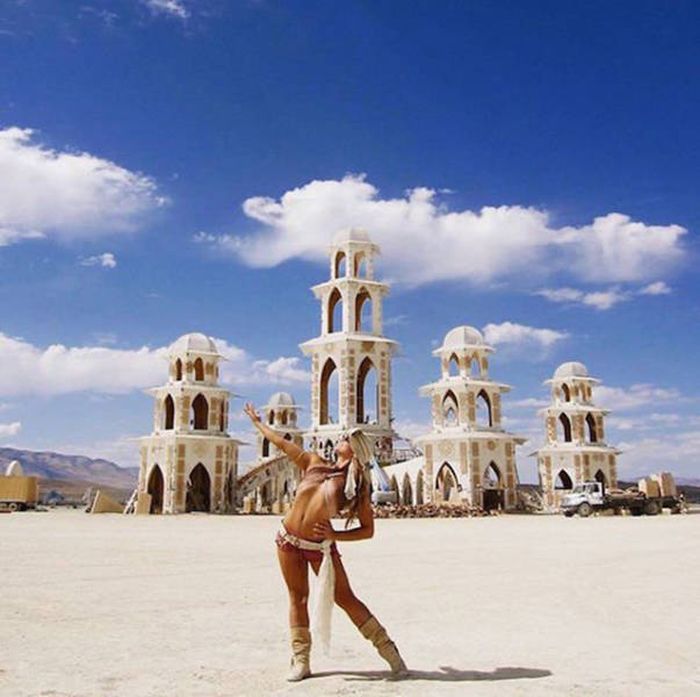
x=189 y=462
x=468 y=457
x=575 y=450
x=351 y=358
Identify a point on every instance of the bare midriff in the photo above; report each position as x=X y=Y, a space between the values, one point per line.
x=318 y=498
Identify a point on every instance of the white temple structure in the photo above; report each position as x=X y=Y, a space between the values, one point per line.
x=575 y=449
x=351 y=358
x=189 y=462
x=280 y=414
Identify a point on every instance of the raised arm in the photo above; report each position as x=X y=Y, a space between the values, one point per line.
x=297 y=455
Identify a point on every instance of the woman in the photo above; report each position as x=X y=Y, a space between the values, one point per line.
x=307 y=537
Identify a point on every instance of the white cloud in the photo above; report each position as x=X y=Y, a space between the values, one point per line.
x=11 y=429
x=513 y=334
x=171 y=8
x=657 y=288
x=600 y=300
x=106 y=260
x=675 y=452
x=69 y=195
x=625 y=398
x=59 y=369
x=423 y=241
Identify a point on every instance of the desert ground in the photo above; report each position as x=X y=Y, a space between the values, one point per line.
x=190 y=606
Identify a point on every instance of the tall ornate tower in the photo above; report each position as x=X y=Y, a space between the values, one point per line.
x=189 y=462
x=351 y=359
x=575 y=450
x=280 y=414
x=468 y=456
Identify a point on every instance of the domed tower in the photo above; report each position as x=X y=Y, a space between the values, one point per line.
x=189 y=462
x=468 y=455
x=280 y=413
x=575 y=449
x=351 y=359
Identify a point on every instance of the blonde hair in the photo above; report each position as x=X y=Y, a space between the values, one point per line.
x=363 y=452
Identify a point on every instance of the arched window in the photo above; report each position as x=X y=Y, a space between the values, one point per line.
x=406 y=491
x=222 y=417
x=566 y=392
x=492 y=477
x=483 y=409
x=600 y=477
x=563 y=481
x=198 y=490
x=169 y=413
x=363 y=311
x=340 y=266
x=271 y=417
x=288 y=436
x=565 y=427
x=178 y=369
x=329 y=393
x=199 y=370
x=367 y=389
x=328 y=449
x=453 y=365
x=155 y=489
x=450 y=412
x=266 y=448
x=419 y=488
x=335 y=311
x=592 y=430
x=360 y=265
x=475 y=367
x=446 y=481
x=283 y=417
x=200 y=413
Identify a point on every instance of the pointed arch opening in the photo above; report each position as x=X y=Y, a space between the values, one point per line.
x=328 y=450
x=419 y=488
x=450 y=411
x=492 y=477
x=198 y=490
x=271 y=417
x=361 y=265
x=406 y=491
x=222 y=417
x=329 y=393
x=600 y=477
x=283 y=417
x=446 y=481
x=566 y=392
x=178 y=370
x=265 y=447
x=565 y=428
x=591 y=428
x=475 y=367
x=155 y=489
x=199 y=370
x=335 y=311
x=199 y=413
x=363 y=311
x=168 y=413
x=367 y=393
x=340 y=265
x=453 y=365
x=563 y=481
x=484 y=416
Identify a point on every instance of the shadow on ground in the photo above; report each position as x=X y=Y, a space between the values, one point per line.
x=444 y=674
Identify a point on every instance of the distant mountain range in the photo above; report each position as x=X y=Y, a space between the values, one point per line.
x=48 y=465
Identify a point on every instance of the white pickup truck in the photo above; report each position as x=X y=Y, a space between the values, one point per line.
x=588 y=497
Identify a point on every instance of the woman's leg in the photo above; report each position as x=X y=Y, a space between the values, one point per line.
x=295 y=571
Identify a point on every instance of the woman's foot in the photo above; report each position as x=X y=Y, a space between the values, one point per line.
x=300 y=666
x=386 y=648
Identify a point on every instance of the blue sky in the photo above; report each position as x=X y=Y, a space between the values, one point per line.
x=169 y=166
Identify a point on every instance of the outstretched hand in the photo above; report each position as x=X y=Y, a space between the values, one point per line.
x=249 y=409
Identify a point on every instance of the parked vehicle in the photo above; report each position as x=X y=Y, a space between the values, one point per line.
x=588 y=497
x=18 y=493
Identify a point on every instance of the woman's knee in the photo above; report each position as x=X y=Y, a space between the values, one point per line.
x=298 y=598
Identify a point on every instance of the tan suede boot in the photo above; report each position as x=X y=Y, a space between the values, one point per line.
x=374 y=631
x=300 y=666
